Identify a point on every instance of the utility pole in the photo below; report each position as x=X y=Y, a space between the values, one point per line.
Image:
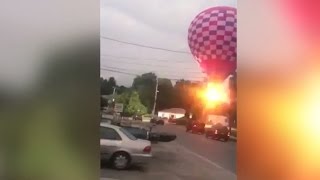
x=114 y=90
x=155 y=97
x=113 y=97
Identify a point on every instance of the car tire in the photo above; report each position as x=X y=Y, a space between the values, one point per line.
x=208 y=135
x=225 y=139
x=120 y=160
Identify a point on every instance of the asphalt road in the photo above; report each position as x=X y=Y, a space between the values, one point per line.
x=189 y=157
x=221 y=153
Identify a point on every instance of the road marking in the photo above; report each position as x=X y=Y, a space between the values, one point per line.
x=204 y=159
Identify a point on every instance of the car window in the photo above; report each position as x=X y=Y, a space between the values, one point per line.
x=109 y=133
x=128 y=134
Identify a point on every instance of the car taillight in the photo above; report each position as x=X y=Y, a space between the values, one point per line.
x=147 y=149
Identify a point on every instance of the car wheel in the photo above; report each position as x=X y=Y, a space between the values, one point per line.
x=121 y=160
x=207 y=135
x=226 y=139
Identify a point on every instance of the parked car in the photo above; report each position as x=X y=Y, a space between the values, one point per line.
x=195 y=127
x=172 y=121
x=136 y=117
x=158 y=121
x=145 y=134
x=121 y=148
x=218 y=131
x=138 y=132
x=217 y=127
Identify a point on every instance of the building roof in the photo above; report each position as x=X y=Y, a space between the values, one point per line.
x=174 y=110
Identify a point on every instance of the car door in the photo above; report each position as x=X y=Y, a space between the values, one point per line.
x=110 y=141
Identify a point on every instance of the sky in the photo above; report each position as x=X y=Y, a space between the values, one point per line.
x=157 y=23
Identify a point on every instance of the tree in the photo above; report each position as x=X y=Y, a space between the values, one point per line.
x=103 y=102
x=166 y=94
x=135 y=106
x=124 y=99
x=106 y=86
x=103 y=86
x=110 y=85
x=145 y=85
x=121 y=89
x=185 y=96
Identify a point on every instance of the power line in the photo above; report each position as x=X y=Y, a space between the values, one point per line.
x=132 y=74
x=135 y=58
x=142 y=64
x=194 y=72
x=144 y=46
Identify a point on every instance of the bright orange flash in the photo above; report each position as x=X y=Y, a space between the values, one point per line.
x=215 y=93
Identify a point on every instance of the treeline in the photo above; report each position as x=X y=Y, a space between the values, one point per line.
x=139 y=98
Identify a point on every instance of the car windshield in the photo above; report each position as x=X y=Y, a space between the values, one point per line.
x=128 y=134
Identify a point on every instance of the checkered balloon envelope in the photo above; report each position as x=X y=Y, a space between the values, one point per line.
x=212 y=38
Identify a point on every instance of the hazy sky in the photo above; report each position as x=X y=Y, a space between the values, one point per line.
x=158 y=23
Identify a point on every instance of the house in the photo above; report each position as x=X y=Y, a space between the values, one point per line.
x=172 y=113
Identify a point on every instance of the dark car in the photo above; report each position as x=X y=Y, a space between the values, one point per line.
x=172 y=120
x=195 y=127
x=136 y=117
x=139 y=133
x=158 y=121
x=142 y=133
x=218 y=131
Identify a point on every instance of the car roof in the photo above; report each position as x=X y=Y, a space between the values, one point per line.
x=104 y=124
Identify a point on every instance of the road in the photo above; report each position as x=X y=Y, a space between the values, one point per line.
x=222 y=153
x=189 y=157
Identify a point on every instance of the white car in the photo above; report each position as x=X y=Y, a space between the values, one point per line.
x=121 y=148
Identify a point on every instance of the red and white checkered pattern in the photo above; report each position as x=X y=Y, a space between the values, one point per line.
x=212 y=39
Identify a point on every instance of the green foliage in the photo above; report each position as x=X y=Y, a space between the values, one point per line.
x=145 y=86
x=132 y=103
x=103 y=86
x=135 y=106
x=106 y=86
x=166 y=96
x=121 y=89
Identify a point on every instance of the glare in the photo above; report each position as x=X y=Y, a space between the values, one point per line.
x=309 y=121
x=312 y=120
x=215 y=93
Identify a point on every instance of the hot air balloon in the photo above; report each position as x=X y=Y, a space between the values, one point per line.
x=212 y=38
